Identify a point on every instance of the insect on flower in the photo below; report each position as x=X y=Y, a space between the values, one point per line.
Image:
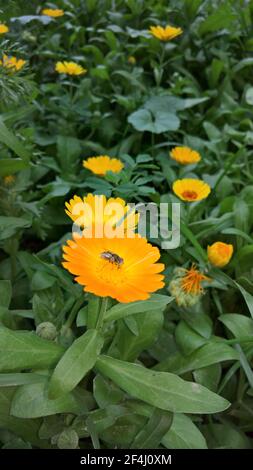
x=112 y=258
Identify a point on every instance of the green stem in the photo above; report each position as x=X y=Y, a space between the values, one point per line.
x=76 y=307
x=102 y=312
x=226 y=169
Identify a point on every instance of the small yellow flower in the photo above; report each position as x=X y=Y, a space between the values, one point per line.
x=3 y=28
x=185 y=155
x=191 y=190
x=12 y=63
x=131 y=60
x=70 y=68
x=165 y=34
x=93 y=210
x=186 y=286
x=101 y=164
x=9 y=180
x=219 y=254
x=55 y=13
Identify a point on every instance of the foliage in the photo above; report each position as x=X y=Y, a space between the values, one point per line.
x=157 y=375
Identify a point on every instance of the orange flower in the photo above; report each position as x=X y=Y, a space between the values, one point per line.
x=53 y=12
x=191 y=190
x=12 y=63
x=3 y=28
x=96 y=210
x=69 y=68
x=122 y=268
x=185 y=155
x=101 y=164
x=219 y=254
x=165 y=34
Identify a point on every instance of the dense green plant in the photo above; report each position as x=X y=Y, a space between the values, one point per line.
x=68 y=377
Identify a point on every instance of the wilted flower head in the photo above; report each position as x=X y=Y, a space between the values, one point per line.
x=101 y=164
x=186 y=286
x=219 y=254
x=165 y=34
x=185 y=155
x=70 y=68
x=191 y=190
x=9 y=180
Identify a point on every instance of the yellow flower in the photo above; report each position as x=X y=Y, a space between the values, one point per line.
x=122 y=268
x=165 y=34
x=185 y=155
x=12 y=63
x=96 y=211
x=131 y=60
x=186 y=286
x=55 y=13
x=70 y=68
x=9 y=180
x=219 y=254
x=191 y=190
x=101 y=164
x=3 y=28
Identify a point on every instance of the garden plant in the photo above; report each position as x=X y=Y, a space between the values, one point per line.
x=109 y=338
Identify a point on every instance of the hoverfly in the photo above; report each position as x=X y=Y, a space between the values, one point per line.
x=112 y=258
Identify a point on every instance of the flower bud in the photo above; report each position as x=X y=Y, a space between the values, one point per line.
x=46 y=330
x=219 y=254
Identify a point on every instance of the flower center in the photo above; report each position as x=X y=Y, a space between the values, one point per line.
x=191 y=195
x=112 y=258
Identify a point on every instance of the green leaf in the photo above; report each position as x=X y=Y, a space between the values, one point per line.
x=239 y=325
x=144 y=120
x=208 y=376
x=187 y=339
x=5 y=293
x=8 y=166
x=31 y=401
x=10 y=380
x=153 y=432
x=28 y=430
x=208 y=354
x=10 y=225
x=68 y=152
x=26 y=350
x=9 y=139
x=75 y=363
x=160 y=389
x=155 y=302
x=223 y=17
x=225 y=436
x=183 y=434
x=105 y=392
x=199 y=322
x=128 y=344
x=249 y=96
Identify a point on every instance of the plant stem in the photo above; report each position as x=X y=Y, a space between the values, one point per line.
x=101 y=314
x=226 y=169
x=77 y=305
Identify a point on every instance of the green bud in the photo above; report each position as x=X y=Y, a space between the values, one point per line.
x=68 y=439
x=46 y=330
